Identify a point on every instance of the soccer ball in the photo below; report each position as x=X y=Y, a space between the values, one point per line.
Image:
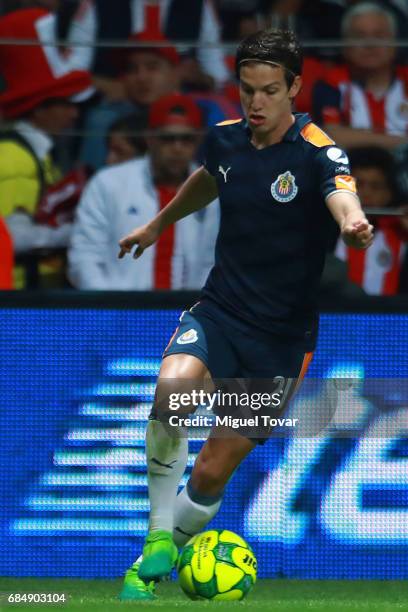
x=217 y=565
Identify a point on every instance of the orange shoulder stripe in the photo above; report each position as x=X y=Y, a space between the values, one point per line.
x=313 y=134
x=229 y=122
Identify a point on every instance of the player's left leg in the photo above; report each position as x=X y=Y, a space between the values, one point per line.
x=201 y=498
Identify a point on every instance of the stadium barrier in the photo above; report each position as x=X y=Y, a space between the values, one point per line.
x=77 y=376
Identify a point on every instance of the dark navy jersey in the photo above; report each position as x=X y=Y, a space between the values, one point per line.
x=270 y=250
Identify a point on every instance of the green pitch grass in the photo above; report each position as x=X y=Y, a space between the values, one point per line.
x=279 y=595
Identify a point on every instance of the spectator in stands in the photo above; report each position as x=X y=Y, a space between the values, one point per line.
x=365 y=102
x=40 y=101
x=401 y=159
x=310 y=19
x=378 y=269
x=239 y=18
x=126 y=139
x=15 y=5
x=130 y=194
x=295 y=15
x=330 y=14
x=146 y=74
x=178 y=19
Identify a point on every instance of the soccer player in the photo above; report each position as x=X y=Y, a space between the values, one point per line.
x=278 y=178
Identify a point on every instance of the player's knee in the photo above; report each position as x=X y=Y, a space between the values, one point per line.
x=181 y=381
x=208 y=477
x=183 y=366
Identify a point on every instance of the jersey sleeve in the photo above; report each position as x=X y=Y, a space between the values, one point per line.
x=209 y=151
x=333 y=172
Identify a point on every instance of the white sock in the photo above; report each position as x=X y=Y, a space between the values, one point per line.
x=191 y=516
x=166 y=461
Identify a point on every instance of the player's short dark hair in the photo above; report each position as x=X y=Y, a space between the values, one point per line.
x=280 y=46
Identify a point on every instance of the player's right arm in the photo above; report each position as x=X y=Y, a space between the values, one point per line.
x=197 y=192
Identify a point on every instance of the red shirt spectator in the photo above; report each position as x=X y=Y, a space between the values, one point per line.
x=365 y=102
x=378 y=269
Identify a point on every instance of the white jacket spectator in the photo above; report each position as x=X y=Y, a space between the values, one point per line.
x=118 y=199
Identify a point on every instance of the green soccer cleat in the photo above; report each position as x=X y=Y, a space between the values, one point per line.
x=134 y=588
x=159 y=556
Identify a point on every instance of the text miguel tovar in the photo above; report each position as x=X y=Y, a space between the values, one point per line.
x=177 y=420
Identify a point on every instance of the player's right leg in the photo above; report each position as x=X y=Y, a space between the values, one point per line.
x=197 y=347
x=166 y=455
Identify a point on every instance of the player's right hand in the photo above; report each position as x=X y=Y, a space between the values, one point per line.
x=358 y=234
x=143 y=237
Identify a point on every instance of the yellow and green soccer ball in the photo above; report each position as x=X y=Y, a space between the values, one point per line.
x=217 y=565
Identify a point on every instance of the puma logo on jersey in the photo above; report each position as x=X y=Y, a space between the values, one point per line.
x=224 y=172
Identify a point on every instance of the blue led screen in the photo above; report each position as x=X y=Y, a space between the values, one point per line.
x=75 y=391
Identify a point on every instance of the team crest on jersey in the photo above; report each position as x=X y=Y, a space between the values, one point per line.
x=284 y=189
x=188 y=337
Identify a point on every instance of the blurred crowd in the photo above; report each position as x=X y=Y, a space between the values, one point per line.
x=96 y=137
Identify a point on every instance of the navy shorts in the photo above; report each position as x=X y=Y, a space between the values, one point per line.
x=233 y=351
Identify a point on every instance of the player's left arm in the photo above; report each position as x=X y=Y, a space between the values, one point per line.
x=338 y=188
x=355 y=229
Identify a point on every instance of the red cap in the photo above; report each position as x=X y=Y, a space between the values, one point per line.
x=33 y=74
x=155 y=36
x=175 y=109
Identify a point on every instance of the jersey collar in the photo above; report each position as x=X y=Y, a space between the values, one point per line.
x=301 y=119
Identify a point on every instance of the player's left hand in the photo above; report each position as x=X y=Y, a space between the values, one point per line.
x=358 y=234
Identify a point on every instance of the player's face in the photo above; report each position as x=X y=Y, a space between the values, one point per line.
x=265 y=96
